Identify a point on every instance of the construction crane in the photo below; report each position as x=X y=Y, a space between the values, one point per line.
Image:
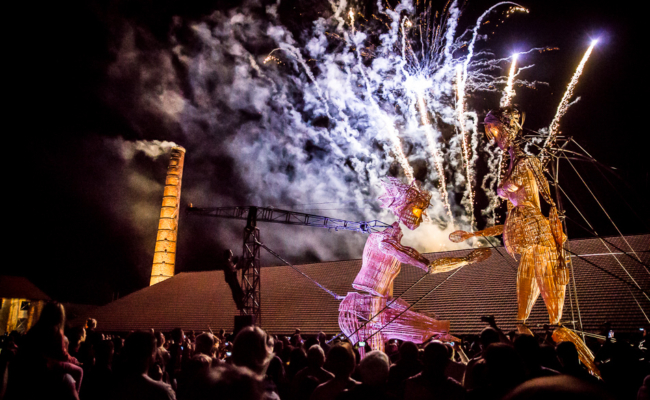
x=250 y=263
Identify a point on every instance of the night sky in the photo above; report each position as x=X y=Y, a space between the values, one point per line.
x=83 y=215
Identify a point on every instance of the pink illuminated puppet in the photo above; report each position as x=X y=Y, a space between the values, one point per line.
x=376 y=317
x=527 y=232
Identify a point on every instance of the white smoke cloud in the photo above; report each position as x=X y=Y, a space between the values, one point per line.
x=309 y=129
x=151 y=148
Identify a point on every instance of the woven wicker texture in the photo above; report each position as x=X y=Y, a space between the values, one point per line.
x=407 y=202
x=394 y=322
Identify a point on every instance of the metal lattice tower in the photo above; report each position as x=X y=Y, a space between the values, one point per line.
x=250 y=278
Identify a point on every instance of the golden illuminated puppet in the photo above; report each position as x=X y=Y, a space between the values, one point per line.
x=527 y=232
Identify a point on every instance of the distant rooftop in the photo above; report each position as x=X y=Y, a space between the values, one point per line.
x=18 y=287
x=606 y=291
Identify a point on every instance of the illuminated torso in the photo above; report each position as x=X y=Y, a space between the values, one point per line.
x=525 y=224
x=379 y=269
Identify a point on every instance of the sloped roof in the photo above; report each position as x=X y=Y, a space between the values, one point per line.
x=198 y=300
x=18 y=287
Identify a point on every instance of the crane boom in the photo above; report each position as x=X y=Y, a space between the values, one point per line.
x=266 y=214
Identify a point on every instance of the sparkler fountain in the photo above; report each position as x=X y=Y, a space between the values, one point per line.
x=412 y=73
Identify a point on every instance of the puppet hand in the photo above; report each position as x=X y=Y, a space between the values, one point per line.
x=460 y=236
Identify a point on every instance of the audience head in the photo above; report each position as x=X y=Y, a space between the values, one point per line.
x=310 y=342
x=322 y=337
x=77 y=335
x=91 y=323
x=436 y=357
x=205 y=343
x=391 y=348
x=560 y=387
x=489 y=335
x=228 y=382
x=567 y=354
x=278 y=346
x=548 y=357
x=374 y=368
x=139 y=348
x=297 y=359
x=118 y=344
x=52 y=316
x=504 y=367
x=178 y=336
x=160 y=339
x=315 y=357
x=341 y=360
x=253 y=349
x=450 y=351
x=408 y=352
x=104 y=353
x=528 y=348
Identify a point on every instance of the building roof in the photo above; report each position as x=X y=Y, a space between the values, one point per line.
x=605 y=289
x=18 y=287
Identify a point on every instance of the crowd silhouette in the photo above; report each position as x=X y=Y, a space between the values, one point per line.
x=51 y=361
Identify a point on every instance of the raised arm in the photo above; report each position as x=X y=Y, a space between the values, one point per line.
x=407 y=255
x=461 y=236
x=448 y=263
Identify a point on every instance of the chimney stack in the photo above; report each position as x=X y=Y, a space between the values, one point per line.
x=164 y=257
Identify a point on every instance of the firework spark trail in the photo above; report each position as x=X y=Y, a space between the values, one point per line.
x=564 y=104
x=296 y=54
x=428 y=129
x=460 y=109
x=470 y=47
x=508 y=93
x=389 y=127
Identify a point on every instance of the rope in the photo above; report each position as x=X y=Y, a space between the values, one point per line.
x=573 y=293
x=601 y=206
x=610 y=273
x=380 y=311
x=604 y=244
x=595 y=234
x=409 y=307
x=336 y=296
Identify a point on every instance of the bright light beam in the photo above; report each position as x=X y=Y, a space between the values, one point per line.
x=564 y=104
x=509 y=92
x=460 y=110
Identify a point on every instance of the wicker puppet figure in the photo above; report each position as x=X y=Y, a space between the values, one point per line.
x=539 y=241
x=376 y=317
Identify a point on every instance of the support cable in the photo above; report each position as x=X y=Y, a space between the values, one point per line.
x=558 y=202
x=336 y=296
x=388 y=304
x=601 y=206
x=603 y=242
x=608 y=249
x=410 y=306
x=594 y=234
x=610 y=273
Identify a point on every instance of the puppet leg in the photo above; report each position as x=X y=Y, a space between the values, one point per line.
x=547 y=279
x=409 y=325
x=563 y=334
x=527 y=288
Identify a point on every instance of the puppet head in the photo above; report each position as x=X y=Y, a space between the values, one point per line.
x=407 y=202
x=503 y=126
